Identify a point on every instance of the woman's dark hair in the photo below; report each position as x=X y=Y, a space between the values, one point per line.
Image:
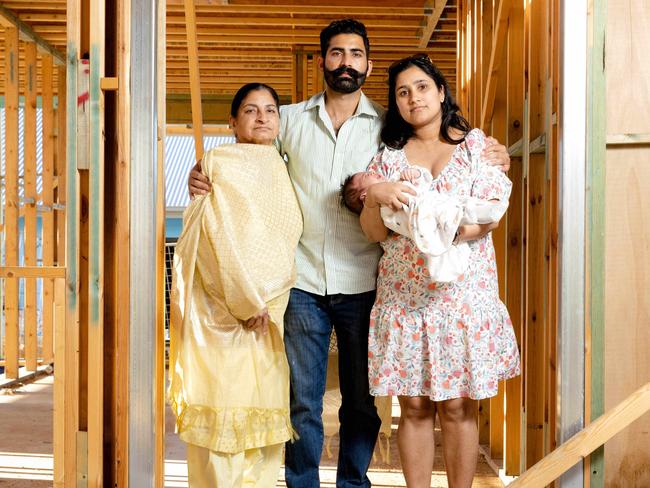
x=396 y=131
x=245 y=90
x=343 y=26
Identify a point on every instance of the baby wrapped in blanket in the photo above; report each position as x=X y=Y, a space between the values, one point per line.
x=430 y=218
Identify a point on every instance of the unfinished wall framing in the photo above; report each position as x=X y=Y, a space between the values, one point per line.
x=33 y=196
x=507 y=85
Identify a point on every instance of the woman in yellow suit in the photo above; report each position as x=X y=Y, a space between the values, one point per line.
x=233 y=269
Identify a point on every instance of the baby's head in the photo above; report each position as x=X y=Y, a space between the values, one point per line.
x=354 y=189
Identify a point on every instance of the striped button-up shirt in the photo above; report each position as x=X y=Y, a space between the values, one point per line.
x=333 y=255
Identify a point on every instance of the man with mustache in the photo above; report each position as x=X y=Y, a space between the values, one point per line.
x=324 y=139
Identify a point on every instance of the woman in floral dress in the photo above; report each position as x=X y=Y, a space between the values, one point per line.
x=438 y=346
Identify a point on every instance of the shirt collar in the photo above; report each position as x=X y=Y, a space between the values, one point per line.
x=365 y=106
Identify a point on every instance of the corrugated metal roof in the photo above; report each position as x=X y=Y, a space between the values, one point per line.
x=21 y=148
x=179 y=158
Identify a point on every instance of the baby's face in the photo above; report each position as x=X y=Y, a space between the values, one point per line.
x=361 y=181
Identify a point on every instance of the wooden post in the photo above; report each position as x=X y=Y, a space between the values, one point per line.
x=121 y=242
x=596 y=228
x=60 y=284
x=31 y=321
x=500 y=237
x=536 y=318
x=195 y=82
x=294 y=78
x=11 y=200
x=305 y=76
x=47 y=216
x=66 y=379
x=95 y=368
x=515 y=298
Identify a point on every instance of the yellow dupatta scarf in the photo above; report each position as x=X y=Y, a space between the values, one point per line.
x=229 y=387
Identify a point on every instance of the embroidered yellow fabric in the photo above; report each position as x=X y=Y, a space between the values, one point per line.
x=229 y=387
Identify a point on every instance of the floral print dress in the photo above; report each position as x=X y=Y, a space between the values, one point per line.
x=441 y=340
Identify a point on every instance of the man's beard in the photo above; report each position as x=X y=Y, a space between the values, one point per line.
x=344 y=85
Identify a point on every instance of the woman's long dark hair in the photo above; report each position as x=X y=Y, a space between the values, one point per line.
x=396 y=131
x=245 y=90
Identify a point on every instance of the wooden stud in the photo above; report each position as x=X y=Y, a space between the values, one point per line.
x=47 y=197
x=59 y=164
x=58 y=411
x=536 y=282
x=31 y=321
x=496 y=58
x=195 y=83
x=11 y=200
x=500 y=239
x=305 y=76
x=121 y=240
x=60 y=329
x=95 y=314
x=538 y=66
x=514 y=443
x=515 y=296
x=597 y=204
x=67 y=375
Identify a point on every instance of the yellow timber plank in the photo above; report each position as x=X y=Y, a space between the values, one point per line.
x=48 y=238
x=195 y=82
x=11 y=199
x=31 y=325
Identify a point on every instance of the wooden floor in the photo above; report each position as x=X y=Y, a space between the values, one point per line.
x=26 y=448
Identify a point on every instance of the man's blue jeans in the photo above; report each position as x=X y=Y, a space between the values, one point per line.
x=308 y=324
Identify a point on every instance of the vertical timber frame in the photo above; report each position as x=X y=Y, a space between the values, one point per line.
x=65 y=458
x=571 y=239
x=95 y=315
x=508 y=66
x=143 y=329
x=596 y=150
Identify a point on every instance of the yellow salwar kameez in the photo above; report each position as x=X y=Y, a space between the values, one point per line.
x=229 y=387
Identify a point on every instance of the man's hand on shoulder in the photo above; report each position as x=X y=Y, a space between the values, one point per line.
x=496 y=154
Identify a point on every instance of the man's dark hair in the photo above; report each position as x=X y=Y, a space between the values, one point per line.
x=343 y=26
x=245 y=90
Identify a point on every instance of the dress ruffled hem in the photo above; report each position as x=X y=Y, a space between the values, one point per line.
x=442 y=354
x=447 y=394
x=232 y=429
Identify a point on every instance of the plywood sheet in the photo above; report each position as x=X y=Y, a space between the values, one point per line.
x=627 y=308
x=628 y=69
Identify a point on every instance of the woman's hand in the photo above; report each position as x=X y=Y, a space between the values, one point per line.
x=388 y=194
x=496 y=154
x=258 y=322
x=393 y=195
x=197 y=182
